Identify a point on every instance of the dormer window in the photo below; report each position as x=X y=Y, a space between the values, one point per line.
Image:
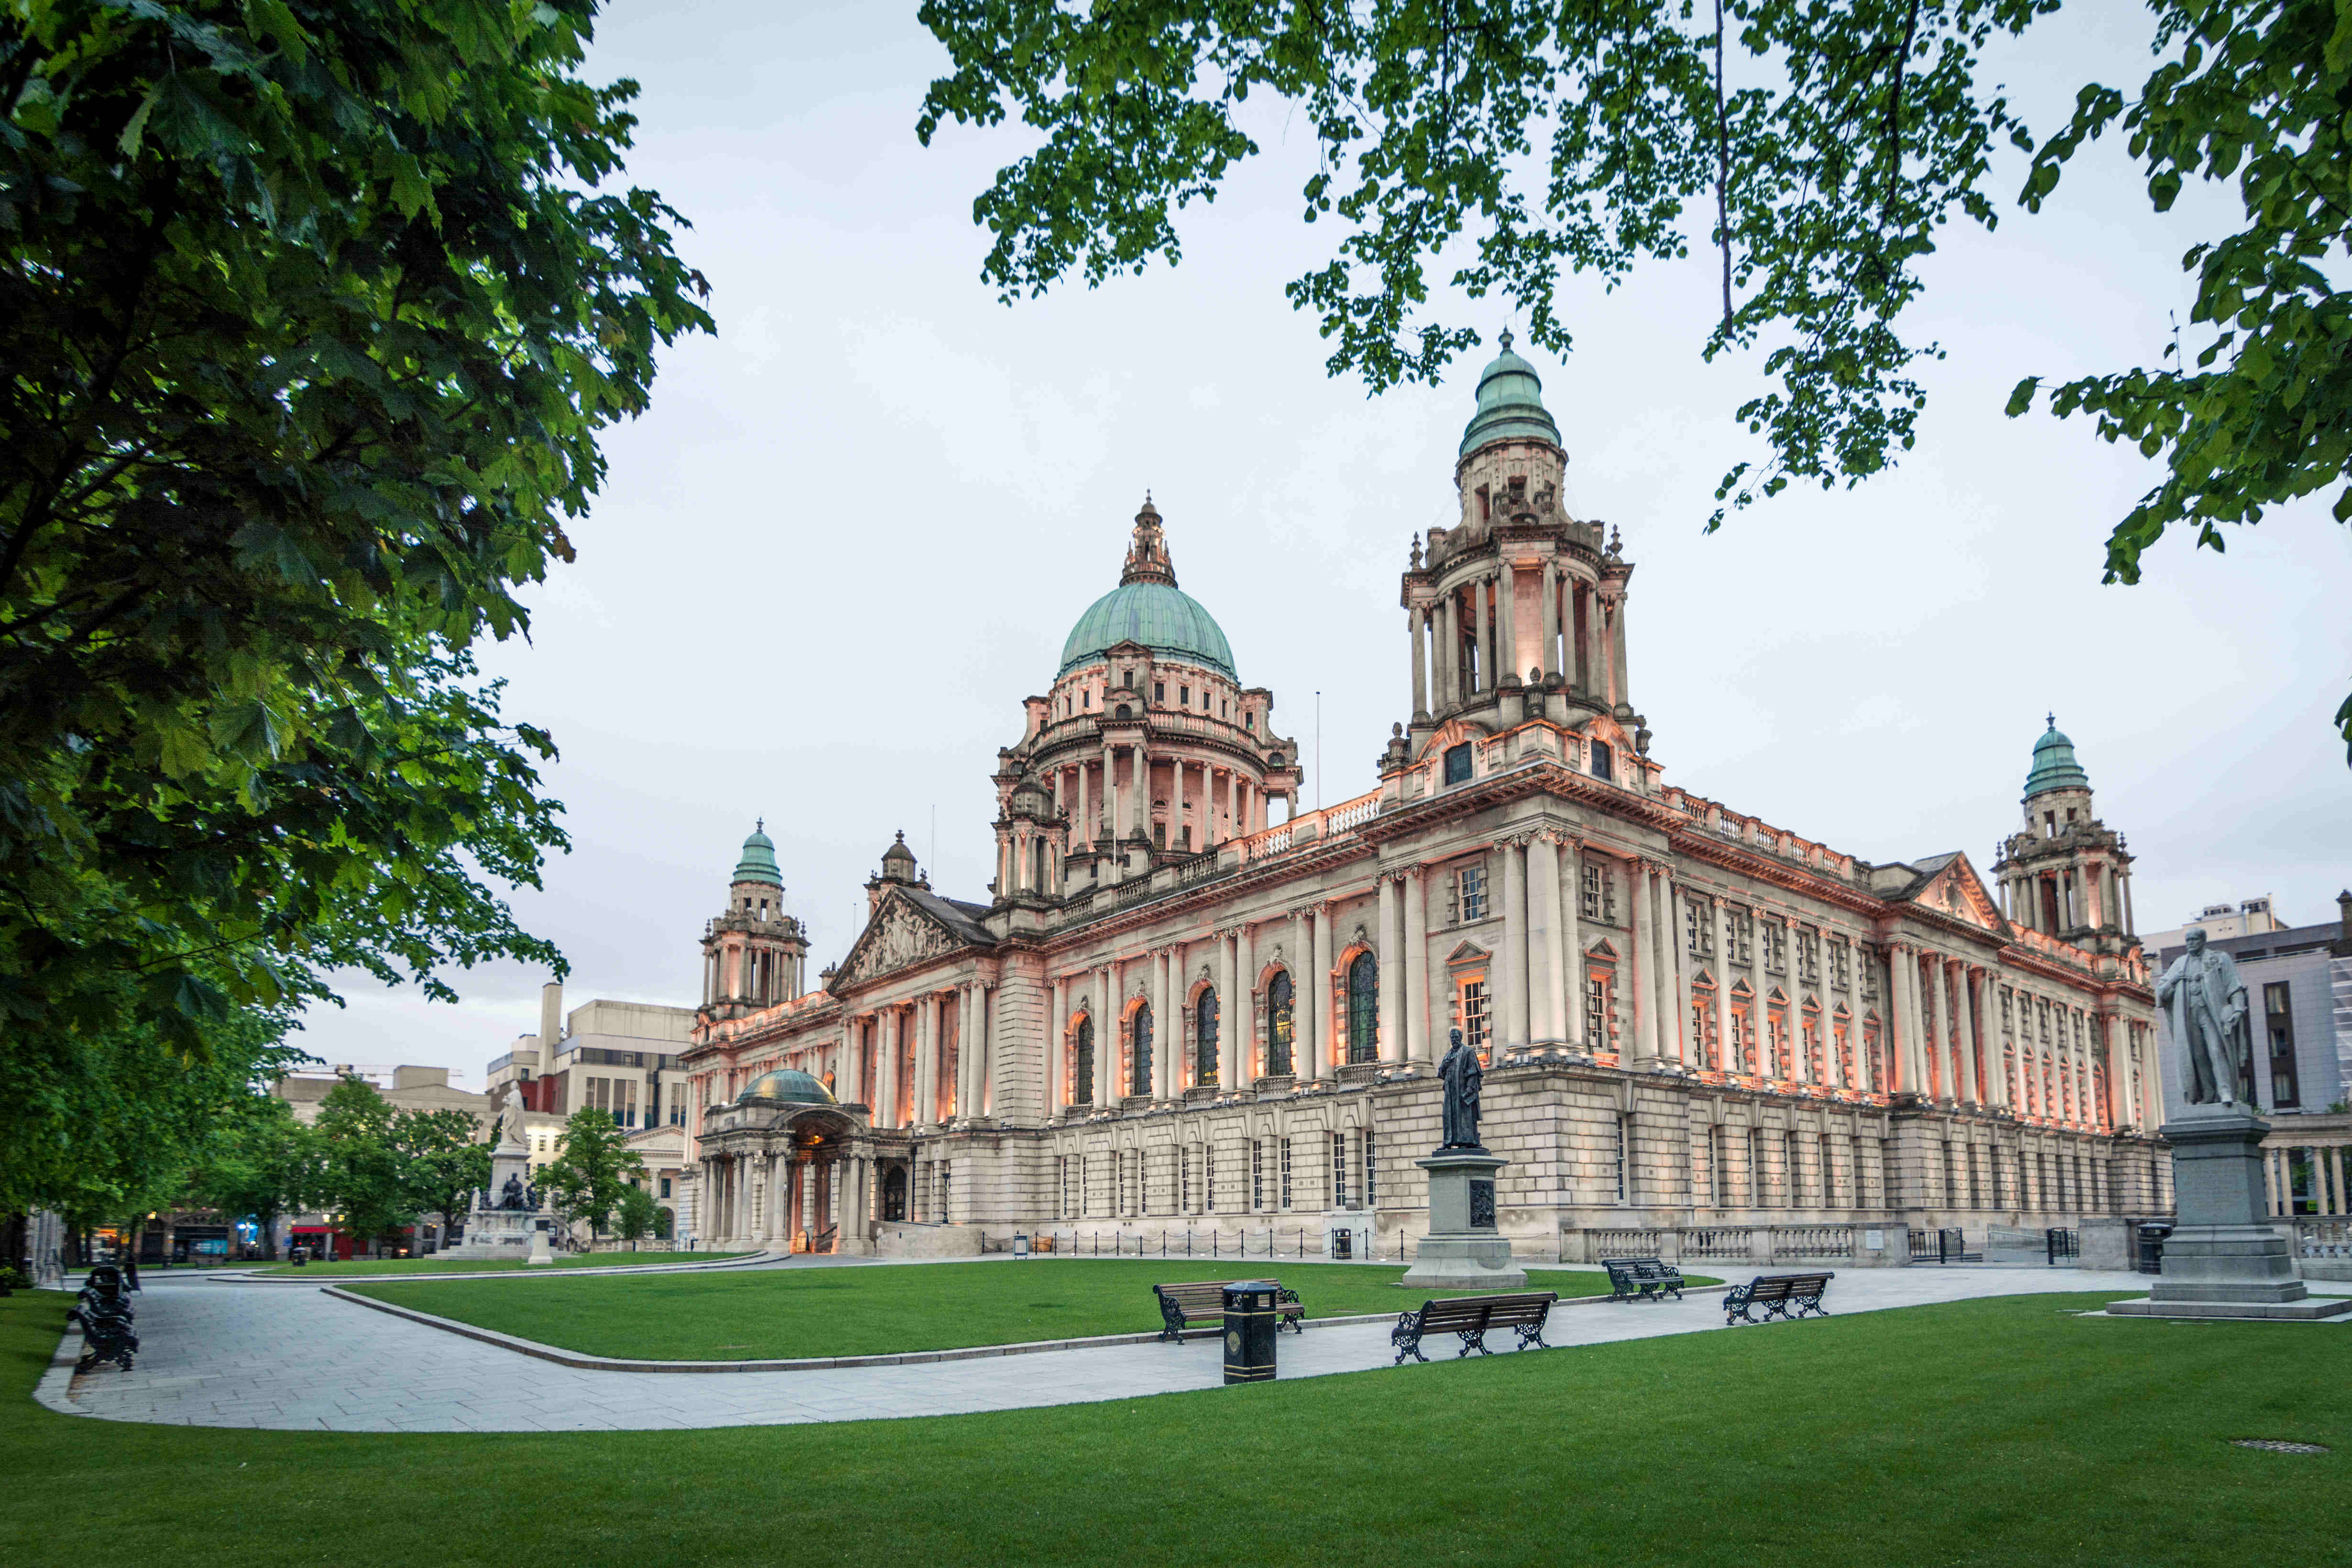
x=1602 y=761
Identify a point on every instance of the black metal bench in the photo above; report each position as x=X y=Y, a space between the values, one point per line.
x=1470 y=1317
x=1204 y=1301
x=1780 y=1296
x=1642 y=1279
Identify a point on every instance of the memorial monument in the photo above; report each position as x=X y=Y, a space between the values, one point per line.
x=1464 y=1250
x=506 y=1221
x=2223 y=1259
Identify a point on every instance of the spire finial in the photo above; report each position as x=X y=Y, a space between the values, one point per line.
x=1506 y=340
x=2053 y=719
x=1147 y=550
x=758 y=825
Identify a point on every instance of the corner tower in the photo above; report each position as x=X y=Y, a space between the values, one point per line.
x=1518 y=610
x=755 y=953
x=2068 y=875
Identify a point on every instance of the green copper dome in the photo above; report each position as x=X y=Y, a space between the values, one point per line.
x=1510 y=405
x=1148 y=607
x=789 y=1085
x=1166 y=620
x=2054 y=766
x=759 y=861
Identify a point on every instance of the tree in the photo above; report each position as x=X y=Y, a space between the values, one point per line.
x=1813 y=147
x=448 y=1163
x=365 y=1177
x=636 y=1215
x=260 y=1163
x=311 y=315
x=592 y=1168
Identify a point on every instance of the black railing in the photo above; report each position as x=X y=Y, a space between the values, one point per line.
x=2063 y=1245
x=1946 y=1246
x=1269 y=1243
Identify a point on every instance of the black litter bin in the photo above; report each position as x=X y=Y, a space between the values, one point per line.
x=1250 y=1322
x=2151 y=1247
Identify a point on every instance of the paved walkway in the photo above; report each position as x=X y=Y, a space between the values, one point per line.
x=300 y=1360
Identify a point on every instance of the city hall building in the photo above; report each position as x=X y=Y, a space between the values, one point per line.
x=1181 y=1009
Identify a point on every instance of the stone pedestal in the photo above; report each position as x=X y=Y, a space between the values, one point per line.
x=1463 y=1250
x=494 y=1233
x=540 y=1252
x=2223 y=1259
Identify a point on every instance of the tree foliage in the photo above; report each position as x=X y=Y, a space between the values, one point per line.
x=364 y=1180
x=447 y=1162
x=311 y=313
x=592 y=1168
x=260 y=1163
x=1815 y=148
x=635 y=1214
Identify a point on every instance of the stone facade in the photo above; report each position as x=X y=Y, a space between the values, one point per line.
x=1174 y=1012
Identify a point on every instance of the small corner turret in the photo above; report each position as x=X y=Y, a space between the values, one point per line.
x=2067 y=875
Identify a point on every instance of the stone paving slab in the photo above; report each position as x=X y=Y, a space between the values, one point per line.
x=302 y=1361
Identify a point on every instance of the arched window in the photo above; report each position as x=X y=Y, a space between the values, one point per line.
x=1204 y=1039
x=1364 y=1009
x=1278 y=997
x=1141 y=1054
x=1082 y=1053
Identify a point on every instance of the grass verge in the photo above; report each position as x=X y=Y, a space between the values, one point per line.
x=1994 y=1432
x=878 y=1310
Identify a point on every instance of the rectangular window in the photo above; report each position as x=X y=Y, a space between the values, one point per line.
x=1160 y=691
x=1595 y=890
x=1338 y=1170
x=1457 y=763
x=1257 y=1172
x=665 y=1186
x=1775 y=950
x=1596 y=1011
x=1740 y=927
x=1621 y=1158
x=1473 y=893
x=1285 y=1152
x=1209 y=1177
x=1183 y=697
x=2279 y=1020
x=1473 y=1013
x=1840 y=966
x=1372 y=1172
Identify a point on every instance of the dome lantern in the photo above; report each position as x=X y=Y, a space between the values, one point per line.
x=2054 y=766
x=758 y=863
x=1510 y=403
x=1146 y=607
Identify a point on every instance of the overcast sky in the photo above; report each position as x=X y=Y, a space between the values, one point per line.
x=857 y=526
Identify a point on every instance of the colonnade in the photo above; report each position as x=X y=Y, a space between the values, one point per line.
x=769 y=1196
x=2088 y=891
x=1215 y=802
x=736 y=970
x=920 y=1062
x=1467 y=639
x=2327 y=1166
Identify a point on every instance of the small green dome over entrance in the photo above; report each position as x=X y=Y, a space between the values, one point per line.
x=759 y=861
x=789 y=1085
x=1510 y=405
x=2054 y=766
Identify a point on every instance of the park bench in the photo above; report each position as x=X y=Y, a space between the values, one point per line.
x=1779 y=1295
x=1470 y=1317
x=1642 y=1279
x=1204 y=1301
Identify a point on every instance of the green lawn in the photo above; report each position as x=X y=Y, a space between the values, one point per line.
x=877 y=1310
x=1993 y=1433
x=496 y=1265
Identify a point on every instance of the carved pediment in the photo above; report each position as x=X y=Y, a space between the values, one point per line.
x=898 y=935
x=1956 y=893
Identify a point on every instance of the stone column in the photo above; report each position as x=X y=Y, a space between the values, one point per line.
x=1685 y=1048
x=1939 y=973
x=1110 y=786
x=1319 y=991
x=1572 y=942
x=1546 y=956
x=1058 y=1045
x=1642 y=963
x=1726 y=1048
x=1621 y=686
x=886 y=1097
x=1506 y=624
x=1107 y=1088
x=1414 y=897
x=1420 y=677
x=927 y=1061
x=1232 y=1010
x=1511 y=963
x=1595 y=677
x=1971 y=1086
x=1392 y=962
x=1551 y=616
x=1659 y=956
x=1448 y=651
x=1482 y=619
x=1163 y=1030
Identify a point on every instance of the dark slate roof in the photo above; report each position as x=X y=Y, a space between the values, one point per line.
x=962 y=919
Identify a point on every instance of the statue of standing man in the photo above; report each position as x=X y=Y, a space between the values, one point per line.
x=2206 y=1002
x=1462 y=1076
